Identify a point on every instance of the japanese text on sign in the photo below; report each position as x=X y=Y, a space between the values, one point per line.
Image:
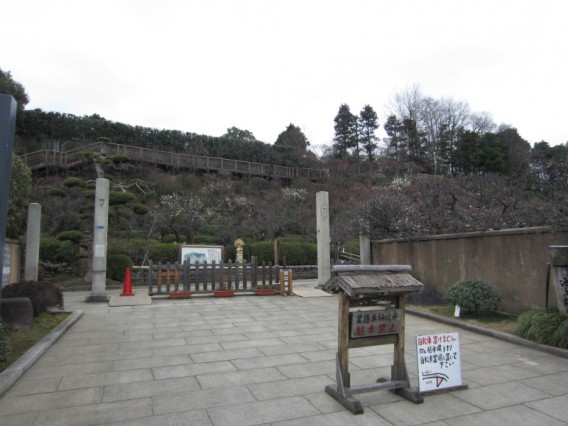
x=375 y=323
x=439 y=364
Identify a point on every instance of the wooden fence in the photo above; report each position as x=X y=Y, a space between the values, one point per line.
x=74 y=157
x=202 y=278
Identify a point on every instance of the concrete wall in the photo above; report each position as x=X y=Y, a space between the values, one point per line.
x=514 y=261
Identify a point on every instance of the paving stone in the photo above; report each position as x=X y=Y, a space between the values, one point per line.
x=49 y=360
x=434 y=408
x=152 y=388
x=193 y=418
x=26 y=419
x=287 y=388
x=255 y=413
x=554 y=384
x=70 y=370
x=500 y=395
x=268 y=361
x=251 y=344
x=158 y=361
x=514 y=415
x=289 y=349
x=497 y=374
x=45 y=401
x=556 y=407
x=193 y=369
x=226 y=355
x=208 y=381
x=321 y=355
x=308 y=369
x=188 y=349
x=149 y=344
x=101 y=379
x=215 y=339
x=372 y=361
x=30 y=387
x=341 y=418
x=96 y=414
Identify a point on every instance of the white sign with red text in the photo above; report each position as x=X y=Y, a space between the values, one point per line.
x=439 y=364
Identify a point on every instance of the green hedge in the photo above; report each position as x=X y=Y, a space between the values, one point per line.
x=52 y=250
x=117 y=197
x=72 y=235
x=116 y=266
x=297 y=253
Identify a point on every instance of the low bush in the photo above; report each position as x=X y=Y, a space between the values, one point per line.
x=296 y=253
x=116 y=266
x=549 y=327
x=73 y=235
x=475 y=297
x=52 y=250
x=163 y=253
x=72 y=182
x=43 y=295
x=118 y=197
x=138 y=208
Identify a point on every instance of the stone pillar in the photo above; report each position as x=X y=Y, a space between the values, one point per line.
x=323 y=237
x=33 y=232
x=98 y=284
x=559 y=275
x=364 y=250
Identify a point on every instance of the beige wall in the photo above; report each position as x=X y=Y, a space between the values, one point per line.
x=514 y=261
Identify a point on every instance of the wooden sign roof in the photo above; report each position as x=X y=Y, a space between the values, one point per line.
x=369 y=279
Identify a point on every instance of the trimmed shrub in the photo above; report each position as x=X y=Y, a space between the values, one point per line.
x=43 y=295
x=52 y=250
x=119 y=159
x=72 y=182
x=549 y=327
x=297 y=253
x=74 y=236
x=118 y=197
x=211 y=240
x=89 y=193
x=139 y=208
x=475 y=297
x=57 y=192
x=163 y=253
x=116 y=266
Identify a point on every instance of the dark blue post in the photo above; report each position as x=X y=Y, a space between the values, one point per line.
x=7 y=128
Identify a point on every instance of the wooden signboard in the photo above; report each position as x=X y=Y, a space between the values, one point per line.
x=374 y=322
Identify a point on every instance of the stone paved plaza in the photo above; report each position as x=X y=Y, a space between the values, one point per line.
x=252 y=360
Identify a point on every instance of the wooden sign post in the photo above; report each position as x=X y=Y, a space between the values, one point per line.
x=379 y=295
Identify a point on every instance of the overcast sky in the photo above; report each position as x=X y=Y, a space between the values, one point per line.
x=204 y=66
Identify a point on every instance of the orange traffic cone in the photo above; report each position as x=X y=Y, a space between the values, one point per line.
x=127 y=290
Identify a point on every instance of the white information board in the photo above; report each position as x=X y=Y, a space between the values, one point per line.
x=201 y=254
x=6 y=264
x=439 y=364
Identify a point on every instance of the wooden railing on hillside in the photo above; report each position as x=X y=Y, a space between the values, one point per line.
x=74 y=157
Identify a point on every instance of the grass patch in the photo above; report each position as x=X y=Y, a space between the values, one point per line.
x=19 y=341
x=549 y=327
x=496 y=321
